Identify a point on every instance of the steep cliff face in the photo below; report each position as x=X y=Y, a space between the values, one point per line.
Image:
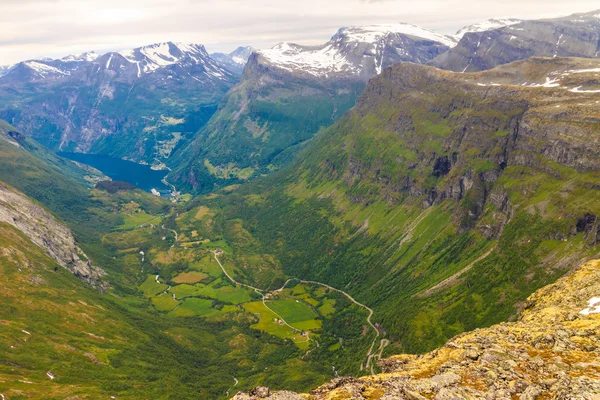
x=477 y=126
x=442 y=200
x=574 y=36
x=288 y=93
x=264 y=120
x=550 y=352
x=49 y=234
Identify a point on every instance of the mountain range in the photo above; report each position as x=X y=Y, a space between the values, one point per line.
x=288 y=93
x=137 y=104
x=573 y=36
x=234 y=61
x=399 y=213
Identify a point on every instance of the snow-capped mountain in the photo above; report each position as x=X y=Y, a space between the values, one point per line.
x=4 y=69
x=125 y=103
x=360 y=50
x=487 y=25
x=34 y=71
x=234 y=61
x=87 y=56
x=189 y=60
x=289 y=92
x=165 y=55
x=577 y=35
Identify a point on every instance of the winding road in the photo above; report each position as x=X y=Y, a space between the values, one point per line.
x=174 y=233
x=372 y=353
x=261 y=292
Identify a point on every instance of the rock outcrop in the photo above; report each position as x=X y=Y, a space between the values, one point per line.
x=551 y=352
x=46 y=232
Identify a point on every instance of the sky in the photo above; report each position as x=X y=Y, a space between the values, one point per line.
x=55 y=28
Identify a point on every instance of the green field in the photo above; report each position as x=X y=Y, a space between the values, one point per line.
x=194 y=307
x=208 y=265
x=135 y=220
x=164 y=302
x=151 y=288
x=267 y=324
x=226 y=294
x=328 y=307
x=182 y=291
x=292 y=310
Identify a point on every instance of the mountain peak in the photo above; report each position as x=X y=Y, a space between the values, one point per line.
x=87 y=56
x=159 y=55
x=374 y=33
x=360 y=51
x=487 y=25
x=234 y=61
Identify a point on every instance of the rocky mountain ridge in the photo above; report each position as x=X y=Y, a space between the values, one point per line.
x=137 y=104
x=487 y=25
x=577 y=35
x=288 y=93
x=358 y=51
x=234 y=61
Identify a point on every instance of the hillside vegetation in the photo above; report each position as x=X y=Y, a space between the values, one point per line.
x=441 y=200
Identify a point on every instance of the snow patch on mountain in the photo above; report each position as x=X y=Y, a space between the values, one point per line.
x=87 y=56
x=5 y=69
x=487 y=25
x=350 y=50
x=315 y=61
x=374 y=33
x=234 y=61
x=160 y=55
x=43 y=69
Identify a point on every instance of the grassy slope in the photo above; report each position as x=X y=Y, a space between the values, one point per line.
x=99 y=346
x=262 y=123
x=124 y=343
x=367 y=209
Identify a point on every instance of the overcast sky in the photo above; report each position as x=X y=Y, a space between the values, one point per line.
x=55 y=28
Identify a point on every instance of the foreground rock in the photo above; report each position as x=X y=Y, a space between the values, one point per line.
x=551 y=352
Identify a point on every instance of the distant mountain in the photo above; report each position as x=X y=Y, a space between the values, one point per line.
x=137 y=104
x=4 y=69
x=288 y=93
x=359 y=51
x=577 y=35
x=234 y=61
x=487 y=25
x=87 y=56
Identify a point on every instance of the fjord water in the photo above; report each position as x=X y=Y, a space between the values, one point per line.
x=139 y=175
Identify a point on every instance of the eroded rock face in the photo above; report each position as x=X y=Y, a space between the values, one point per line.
x=46 y=232
x=576 y=35
x=551 y=352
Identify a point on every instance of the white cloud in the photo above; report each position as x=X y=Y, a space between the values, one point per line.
x=37 y=28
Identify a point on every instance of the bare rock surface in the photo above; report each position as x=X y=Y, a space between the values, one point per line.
x=48 y=233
